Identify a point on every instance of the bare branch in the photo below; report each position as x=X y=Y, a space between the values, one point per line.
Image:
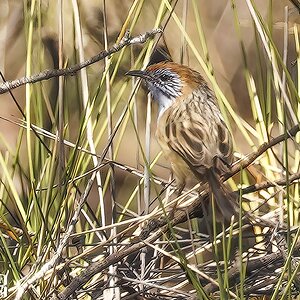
x=48 y=74
x=244 y=163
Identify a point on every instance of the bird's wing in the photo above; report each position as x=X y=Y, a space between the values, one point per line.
x=201 y=139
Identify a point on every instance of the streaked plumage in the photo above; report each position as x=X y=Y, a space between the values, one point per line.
x=190 y=128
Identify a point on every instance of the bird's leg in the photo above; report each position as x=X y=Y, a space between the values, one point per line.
x=179 y=189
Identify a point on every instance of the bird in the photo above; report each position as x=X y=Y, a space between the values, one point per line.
x=191 y=130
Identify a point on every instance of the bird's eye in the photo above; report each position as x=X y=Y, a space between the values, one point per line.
x=165 y=77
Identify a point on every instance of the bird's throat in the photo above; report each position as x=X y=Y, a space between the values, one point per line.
x=164 y=103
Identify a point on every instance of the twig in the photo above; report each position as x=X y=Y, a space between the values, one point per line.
x=99 y=266
x=296 y=3
x=263 y=148
x=48 y=74
x=267 y=184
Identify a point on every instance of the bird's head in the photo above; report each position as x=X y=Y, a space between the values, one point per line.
x=168 y=82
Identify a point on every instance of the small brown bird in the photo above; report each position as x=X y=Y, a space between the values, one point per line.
x=190 y=129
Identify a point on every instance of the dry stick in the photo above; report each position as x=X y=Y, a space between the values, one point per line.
x=47 y=74
x=97 y=267
x=263 y=148
x=126 y=40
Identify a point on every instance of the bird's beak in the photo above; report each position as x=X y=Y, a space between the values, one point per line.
x=139 y=73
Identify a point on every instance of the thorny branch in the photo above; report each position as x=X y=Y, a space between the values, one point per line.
x=47 y=74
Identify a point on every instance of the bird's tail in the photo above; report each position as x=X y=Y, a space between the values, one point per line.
x=225 y=201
